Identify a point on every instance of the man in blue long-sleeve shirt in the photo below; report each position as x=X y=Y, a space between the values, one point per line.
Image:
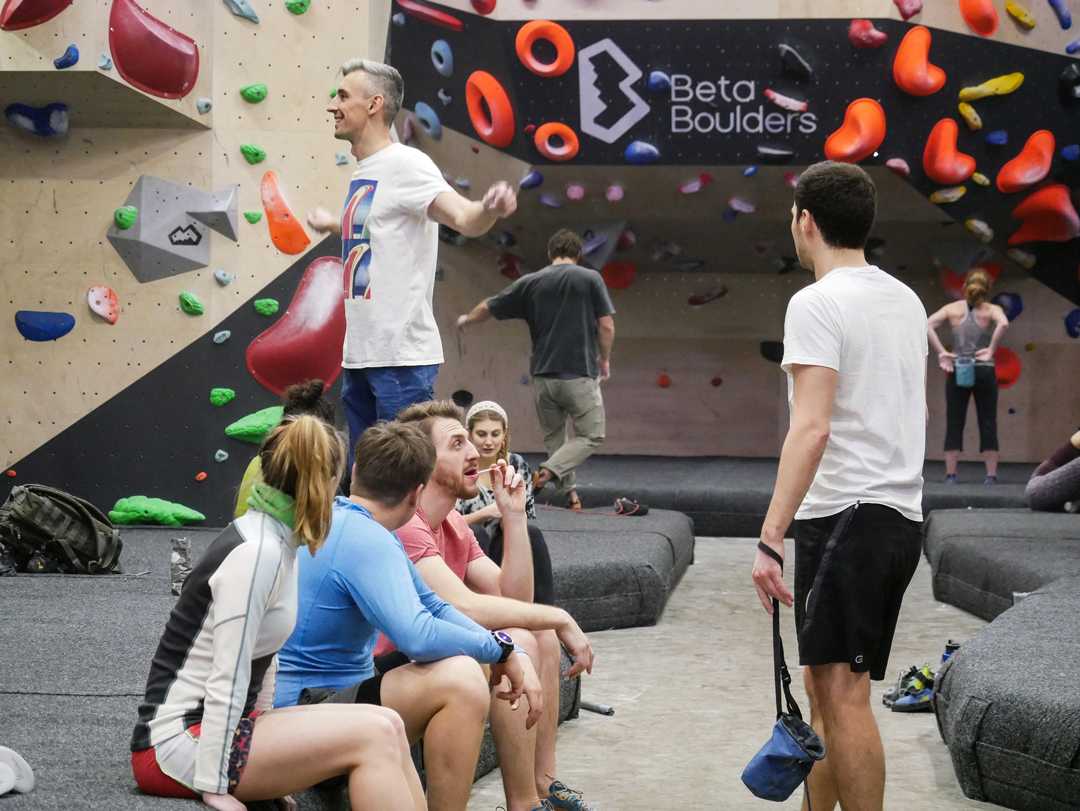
x=361 y=582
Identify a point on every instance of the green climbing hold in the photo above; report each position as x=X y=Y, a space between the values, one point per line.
x=190 y=304
x=254 y=93
x=297 y=6
x=144 y=510
x=252 y=216
x=221 y=396
x=267 y=306
x=252 y=154
x=333 y=93
x=254 y=427
x=125 y=217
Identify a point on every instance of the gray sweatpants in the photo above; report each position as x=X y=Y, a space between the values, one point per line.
x=1051 y=491
x=578 y=399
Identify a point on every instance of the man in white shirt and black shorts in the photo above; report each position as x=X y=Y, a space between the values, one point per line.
x=850 y=474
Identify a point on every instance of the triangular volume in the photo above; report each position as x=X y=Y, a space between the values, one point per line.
x=222 y=214
x=600 y=242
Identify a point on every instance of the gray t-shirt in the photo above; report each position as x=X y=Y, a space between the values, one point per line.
x=561 y=304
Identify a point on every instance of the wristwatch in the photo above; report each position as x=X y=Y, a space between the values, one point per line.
x=505 y=642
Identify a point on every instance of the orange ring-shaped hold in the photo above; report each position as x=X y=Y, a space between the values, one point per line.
x=554 y=33
x=570 y=144
x=483 y=88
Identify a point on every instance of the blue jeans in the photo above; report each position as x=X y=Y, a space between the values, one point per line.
x=381 y=393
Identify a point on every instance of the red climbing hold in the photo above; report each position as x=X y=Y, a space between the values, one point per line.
x=286 y=232
x=1007 y=367
x=306 y=342
x=10 y=473
x=860 y=135
x=980 y=16
x=619 y=275
x=484 y=7
x=428 y=14
x=19 y=14
x=664 y=380
x=149 y=54
x=908 y=8
x=862 y=34
x=942 y=161
x=510 y=266
x=717 y=381
x=1047 y=215
x=912 y=70
x=1030 y=166
x=201 y=476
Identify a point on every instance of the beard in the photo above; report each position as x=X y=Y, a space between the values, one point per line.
x=455 y=483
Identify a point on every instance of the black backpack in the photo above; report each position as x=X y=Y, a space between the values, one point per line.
x=47 y=530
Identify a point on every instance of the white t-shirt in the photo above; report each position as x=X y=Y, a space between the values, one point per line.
x=389 y=247
x=870 y=328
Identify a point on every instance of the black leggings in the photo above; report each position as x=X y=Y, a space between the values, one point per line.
x=956 y=406
x=543 y=580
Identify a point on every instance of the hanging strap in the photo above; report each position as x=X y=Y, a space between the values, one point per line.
x=781 y=677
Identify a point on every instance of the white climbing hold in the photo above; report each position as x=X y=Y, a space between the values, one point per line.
x=104 y=62
x=203 y=105
x=223 y=278
x=444 y=97
x=341 y=159
x=220 y=455
x=222 y=336
x=786 y=102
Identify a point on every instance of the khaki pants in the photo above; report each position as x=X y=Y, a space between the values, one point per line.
x=579 y=399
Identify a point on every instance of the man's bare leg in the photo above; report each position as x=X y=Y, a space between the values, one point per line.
x=547 y=726
x=515 y=744
x=822 y=782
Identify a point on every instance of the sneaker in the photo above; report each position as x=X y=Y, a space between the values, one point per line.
x=950 y=478
x=990 y=480
x=24 y=775
x=914 y=679
x=919 y=701
x=561 y=796
x=544 y=806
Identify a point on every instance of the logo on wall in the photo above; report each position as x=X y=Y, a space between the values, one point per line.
x=185 y=235
x=594 y=110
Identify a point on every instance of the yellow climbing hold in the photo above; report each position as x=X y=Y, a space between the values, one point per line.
x=1023 y=258
x=980 y=179
x=980 y=229
x=1029 y=346
x=971 y=118
x=998 y=86
x=1020 y=14
x=949 y=195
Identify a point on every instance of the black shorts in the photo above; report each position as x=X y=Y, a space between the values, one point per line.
x=368 y=691
x=851 y=571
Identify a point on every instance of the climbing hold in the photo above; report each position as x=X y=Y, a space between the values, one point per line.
x=221 y=396
x=429 y=119
x=750 y=171
x=509 y=265
x=791 y=179
x=997 y=137
x=144 y=510
x=190 y=304
x=297 y=6
x=591 y=243
x=39 y=325
x=505 y=239
x=254 y=427
x=252 y=154
x=19 y=14
x=772 y=351
x=442 y=57
x=741 y=205
x=490 y=111
x=942 y=161
x=792 y=63
x=1073 y=47
x=716 y=381
x=627 y=240
x=203 y=105
x=908 y=8
x=1030 y=166
x=125 y=217
x=861 y=133
x=430 y=15
x=201 y=476
x=862 y=34
x=341 y=159
x=658 y=82
x=970 y=116
x=222 y=336
x=69 y=58
x=103 y=302
x=1062 y=11
x=912 y=69
x=575 y=192
x=10 y=473
x=252 y=216
x=556 y=36
x=104 y=62
x=483 y=7
x=1020 y=14
x=220 y=455
x=266 y=306
x=1029 y=346
x=619 y=275
x=398 y=19
x=775 y=154
x=550 y=201
x=1072 y=323
x=1023 y=258
x=531 y=180
x=48 y=121
x=444 y=97
x=980 y=179
x=286 y=232
x=1007 y=367
x=1070 y=152
x=254 y=93
x=701 y=299
x=899 y=166
x=242 y=8
x=980 y=229
x=614 y=193
x=950 y=195
x=696 y=184
x=149 y=54
x=223 y=278
x=1011 y=303
x=786 y=102
x=556 y=141
x=640 y=152
x=980 y=16
x=663 y=380
x=463 y=183
x=998 y=86
x=1069 y=84
x=1046 y=215
x=729 y=215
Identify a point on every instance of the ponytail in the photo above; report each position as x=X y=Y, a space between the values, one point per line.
x=304 y=457
x=977 y=288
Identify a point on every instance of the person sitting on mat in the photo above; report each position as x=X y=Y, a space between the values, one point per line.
x=1055 y=484
x=362 y=583
x=489 y=432
x=446 y=554
x=206 y=728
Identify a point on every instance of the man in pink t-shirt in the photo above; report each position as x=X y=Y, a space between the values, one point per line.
x=446 y=554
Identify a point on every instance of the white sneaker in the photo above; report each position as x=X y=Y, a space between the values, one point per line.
x=23 y=775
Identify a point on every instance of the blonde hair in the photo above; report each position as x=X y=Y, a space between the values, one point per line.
x=490 y=414
x=977 y=287
x=304 y=457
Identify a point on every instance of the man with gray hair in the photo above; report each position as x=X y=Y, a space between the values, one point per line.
x=389 y=244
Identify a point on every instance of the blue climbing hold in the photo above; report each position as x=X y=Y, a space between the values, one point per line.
x=640 y=152
x=1062 y=11
x=1073 y=47
x=104 y=62
x=47 y=121
x=658 y=82
x=1070 y=152
x=1011 y=303
x=242 y=8
x=428 y=119
x=38 y=325
x=997 y=137
x=531 y=180
x=550 y=200
x=749 y=171
x=593 y=243
x=68 y=59
x=442 y=57
x=203 y=105
x=1072 y=323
